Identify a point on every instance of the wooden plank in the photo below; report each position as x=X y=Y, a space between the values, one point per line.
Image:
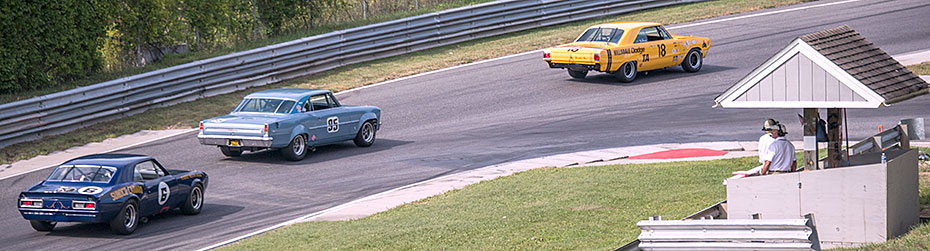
x=805 y=79
x=792 y=78
x=811 y=115
x=818 y=83
x=834 y=122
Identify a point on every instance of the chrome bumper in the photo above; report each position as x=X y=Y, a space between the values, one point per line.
x=218 y=140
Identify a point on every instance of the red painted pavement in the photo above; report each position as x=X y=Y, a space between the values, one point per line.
x=680 y=154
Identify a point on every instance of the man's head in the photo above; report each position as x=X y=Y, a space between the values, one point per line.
x=782 y=130
x=769 y=125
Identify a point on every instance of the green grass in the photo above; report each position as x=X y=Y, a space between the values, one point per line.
x=920 y=69
x=584 y=208
x=187 y=115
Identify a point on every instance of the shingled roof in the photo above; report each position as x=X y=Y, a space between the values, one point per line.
x=835 y=68
x=870 y=65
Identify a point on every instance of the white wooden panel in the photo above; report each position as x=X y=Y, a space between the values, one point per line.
x=792 y=78
x=819 y=83
x=832 y=88
x=753 y=93
x=805 y=79
x=858 y=98
x=778 y=83
x=765 y=87
x=846 y=94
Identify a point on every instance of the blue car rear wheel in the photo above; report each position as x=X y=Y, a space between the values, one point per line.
x=126 y=221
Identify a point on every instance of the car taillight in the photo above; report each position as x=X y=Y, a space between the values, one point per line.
x=85 y=205
x=30 y=203
x=597 y=57
x=546 y=54
x=266 y=130
x=201 y=125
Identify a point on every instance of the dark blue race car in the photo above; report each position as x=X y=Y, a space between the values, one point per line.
x=119 y=189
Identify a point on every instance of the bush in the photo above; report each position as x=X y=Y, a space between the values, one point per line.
x=48 y=41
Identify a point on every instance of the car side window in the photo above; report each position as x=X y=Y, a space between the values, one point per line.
x=664 y=33
x=320 y=102
x=307 y=106
x=147 y=170
x=648 y=34
x=332 y=100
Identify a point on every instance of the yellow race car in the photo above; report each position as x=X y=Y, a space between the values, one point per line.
x=625 y=48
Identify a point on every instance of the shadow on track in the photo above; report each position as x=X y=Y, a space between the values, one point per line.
x=168 y=222
x=323 y=153
x=671 y=73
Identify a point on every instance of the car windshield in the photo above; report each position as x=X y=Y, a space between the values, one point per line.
x=265 y=105
x=611 y=35
x=83 y=173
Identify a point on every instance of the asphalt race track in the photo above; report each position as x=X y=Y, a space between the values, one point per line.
x=490 y=113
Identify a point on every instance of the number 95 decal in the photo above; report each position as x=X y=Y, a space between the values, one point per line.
x=332 y=124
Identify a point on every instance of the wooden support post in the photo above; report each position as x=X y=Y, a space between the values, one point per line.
x=811 y=116
x=834 y=158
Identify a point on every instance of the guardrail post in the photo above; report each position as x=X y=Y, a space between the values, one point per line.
x=904 y=137
x=814 y=238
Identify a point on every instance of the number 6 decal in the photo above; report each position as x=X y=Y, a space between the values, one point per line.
x=332 y=124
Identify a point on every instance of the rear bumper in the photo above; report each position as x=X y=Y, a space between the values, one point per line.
x=576 y=67
x=63 y=215
x=218 y=140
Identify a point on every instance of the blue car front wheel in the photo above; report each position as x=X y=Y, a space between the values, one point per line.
x=366 y=134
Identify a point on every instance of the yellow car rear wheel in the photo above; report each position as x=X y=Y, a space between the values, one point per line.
x=627 y=72
x=577 y=74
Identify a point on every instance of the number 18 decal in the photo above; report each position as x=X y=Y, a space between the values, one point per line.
x=332 y=124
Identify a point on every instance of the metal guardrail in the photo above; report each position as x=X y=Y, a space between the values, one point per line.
x=61 y=112
x=771 y=234
x=891 y=138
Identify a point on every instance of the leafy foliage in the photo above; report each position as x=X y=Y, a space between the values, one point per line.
x=48 y=43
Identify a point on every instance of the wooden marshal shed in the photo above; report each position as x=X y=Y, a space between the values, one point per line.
x=857 y=199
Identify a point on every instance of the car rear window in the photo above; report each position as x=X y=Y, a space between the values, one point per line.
x=611 y=35
x=266 y=105
x=83 y=173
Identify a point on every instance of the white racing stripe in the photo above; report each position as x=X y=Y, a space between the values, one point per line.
x=320 y=213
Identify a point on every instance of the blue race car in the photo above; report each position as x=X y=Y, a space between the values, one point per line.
x=119 y=189
x=290 y=120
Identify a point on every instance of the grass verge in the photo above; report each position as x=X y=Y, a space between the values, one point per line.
x=920 y=69
x=585 y=208
x=187 y=115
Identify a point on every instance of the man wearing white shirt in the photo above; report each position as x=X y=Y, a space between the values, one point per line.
x=780 y=157
x=766 y=138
